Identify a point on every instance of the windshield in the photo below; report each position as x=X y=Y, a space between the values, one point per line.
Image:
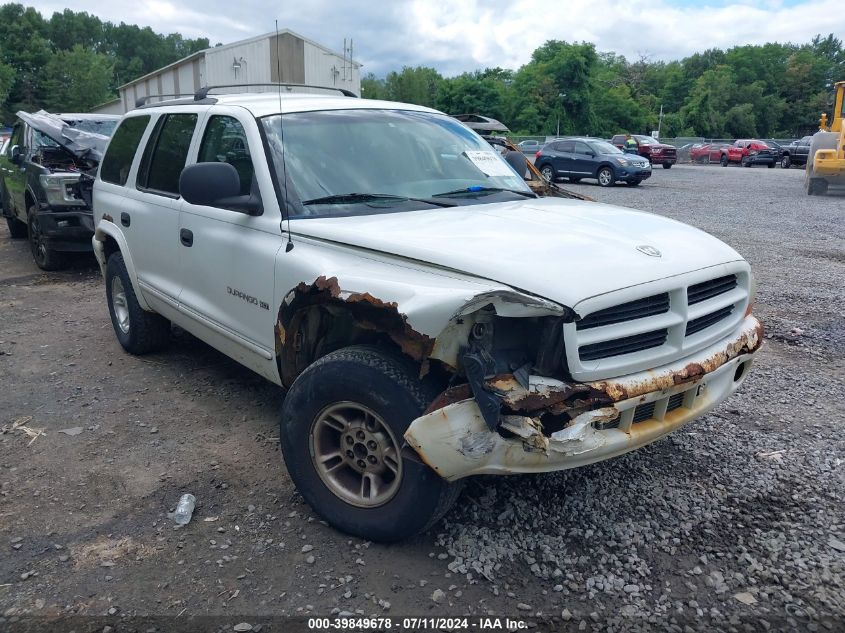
x=603 y=147
x=106 y=128
x=392 y=160
x=647 y=140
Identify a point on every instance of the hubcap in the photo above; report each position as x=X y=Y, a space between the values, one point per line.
x=604 y=177
x=547 y=173
x=355 y=454
x=120 y=305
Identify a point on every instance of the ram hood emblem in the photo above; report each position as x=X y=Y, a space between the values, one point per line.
x=645 y=249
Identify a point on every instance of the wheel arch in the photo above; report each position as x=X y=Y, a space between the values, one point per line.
x=108 y=239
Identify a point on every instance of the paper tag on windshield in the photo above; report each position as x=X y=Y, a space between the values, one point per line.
x=489 y=163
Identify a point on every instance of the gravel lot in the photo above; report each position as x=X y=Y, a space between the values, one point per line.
x=735 y=523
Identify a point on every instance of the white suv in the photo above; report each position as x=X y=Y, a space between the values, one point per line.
x=430 y=317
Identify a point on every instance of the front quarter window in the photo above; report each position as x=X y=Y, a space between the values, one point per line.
x=404 y=158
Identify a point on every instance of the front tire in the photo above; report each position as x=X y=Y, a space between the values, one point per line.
x=606 y=177
x=667 y=165
x=785 y=162
x=342 y=425
x=771 y=165
x=138 y=331
x=45 y=257
x=724 y=160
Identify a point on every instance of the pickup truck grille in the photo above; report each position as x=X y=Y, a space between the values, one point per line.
x=671 y=321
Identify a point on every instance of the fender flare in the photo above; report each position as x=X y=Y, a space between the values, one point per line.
x=106 y=229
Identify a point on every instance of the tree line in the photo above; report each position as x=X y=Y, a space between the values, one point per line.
x=74 y=61
x=768 y=91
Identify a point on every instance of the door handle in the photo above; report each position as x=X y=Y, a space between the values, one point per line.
x=186 y=237
x=125 y=220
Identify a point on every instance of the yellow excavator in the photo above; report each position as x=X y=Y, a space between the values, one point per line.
x=826 y=160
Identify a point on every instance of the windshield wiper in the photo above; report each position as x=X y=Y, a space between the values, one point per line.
x=480 y=189
x=352 y=198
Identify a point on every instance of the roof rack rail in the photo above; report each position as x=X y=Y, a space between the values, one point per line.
x=202 y=93
x=143 y=100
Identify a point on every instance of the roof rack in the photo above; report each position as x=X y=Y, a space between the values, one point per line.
x=140 y=101
x=202 y=93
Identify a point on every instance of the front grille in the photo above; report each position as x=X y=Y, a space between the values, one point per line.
x=669 y=321
x=675 y=402
x=644 y=412
x=626 y=345
x=696 y=325
x=711 y=288
x=649 y=306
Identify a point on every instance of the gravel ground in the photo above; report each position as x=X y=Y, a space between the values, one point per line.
x=734 y=523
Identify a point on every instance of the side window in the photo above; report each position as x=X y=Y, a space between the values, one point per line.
x=224 y=141
x=581 y=148
x=165 y=154
x=122 y=148
x=567 y=147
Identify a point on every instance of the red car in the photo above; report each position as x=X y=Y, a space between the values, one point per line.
x=656 y=152
x=748 y=152
x=707 y=152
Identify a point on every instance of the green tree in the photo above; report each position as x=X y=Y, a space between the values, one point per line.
x=413 y=85
x=77 y=80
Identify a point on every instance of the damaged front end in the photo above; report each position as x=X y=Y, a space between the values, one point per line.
x=520 y=422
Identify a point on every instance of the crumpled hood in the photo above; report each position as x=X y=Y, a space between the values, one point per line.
x=85 y=145
x=562 y=250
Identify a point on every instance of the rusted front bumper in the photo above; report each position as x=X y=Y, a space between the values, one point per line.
x=608 y=418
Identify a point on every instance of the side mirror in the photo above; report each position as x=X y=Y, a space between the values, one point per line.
x=216 y=185
x=15 y=155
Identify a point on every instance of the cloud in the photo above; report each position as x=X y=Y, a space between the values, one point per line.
x=461 y=35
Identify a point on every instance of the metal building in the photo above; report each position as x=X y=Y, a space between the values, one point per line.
x=287 y=57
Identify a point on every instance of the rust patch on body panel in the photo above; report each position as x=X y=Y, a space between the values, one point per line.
x=749 y=341
x=365 y=311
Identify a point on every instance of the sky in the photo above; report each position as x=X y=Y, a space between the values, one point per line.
x=455 y=36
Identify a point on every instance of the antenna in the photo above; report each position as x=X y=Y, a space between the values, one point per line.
x=285 y=210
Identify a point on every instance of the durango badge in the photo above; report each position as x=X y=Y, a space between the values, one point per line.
x=645 y=249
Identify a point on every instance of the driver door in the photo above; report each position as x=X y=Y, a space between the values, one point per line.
x=228 y=257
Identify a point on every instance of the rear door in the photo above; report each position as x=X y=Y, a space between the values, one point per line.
x=151 y=206
x=228 y=257
x=583 y=160
x=564 y=157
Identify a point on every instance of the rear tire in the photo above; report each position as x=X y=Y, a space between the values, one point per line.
x=771 y=165
x=547 y=172
x=785 y=162
x=45 y=257
x=342 y=425
x=138 y=331
x=667 y=165
x=17 y=229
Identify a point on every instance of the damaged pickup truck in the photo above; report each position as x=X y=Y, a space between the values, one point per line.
x=430 y=317
x=41 y=169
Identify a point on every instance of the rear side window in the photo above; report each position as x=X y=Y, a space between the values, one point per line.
x=166 y=152
x=225 y=141
x=121 y=151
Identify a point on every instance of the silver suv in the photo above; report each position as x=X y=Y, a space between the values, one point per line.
x=430 y=317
